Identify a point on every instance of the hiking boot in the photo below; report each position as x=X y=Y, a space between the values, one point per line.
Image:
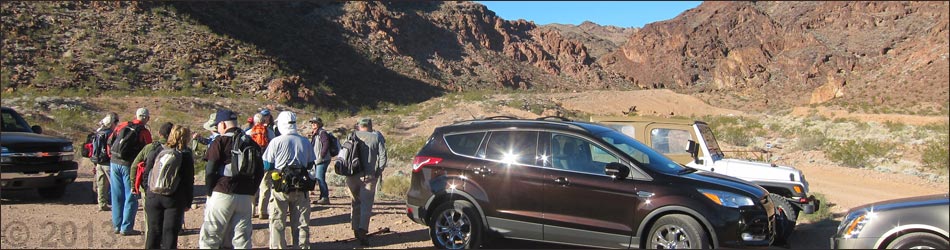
x=133 y=232
x=323 y=201
x=104 y=208
x=115 y=231
x=361 y=237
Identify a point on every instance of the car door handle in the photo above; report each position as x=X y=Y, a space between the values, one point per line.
x=483 y=170
x=562 y=181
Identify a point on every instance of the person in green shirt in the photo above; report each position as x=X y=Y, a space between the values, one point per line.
x=163 y=132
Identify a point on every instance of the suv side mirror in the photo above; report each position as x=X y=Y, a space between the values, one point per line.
x=37 y=129
x=693 y=150
x=617 y=171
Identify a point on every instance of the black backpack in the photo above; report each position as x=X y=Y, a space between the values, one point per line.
x=333 y=143
x=294 y=177
x=97 y=152
x=348 y=162
x=126 y=144
x=245 y=156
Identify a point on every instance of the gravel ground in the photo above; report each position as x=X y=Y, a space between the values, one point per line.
x=74 y=222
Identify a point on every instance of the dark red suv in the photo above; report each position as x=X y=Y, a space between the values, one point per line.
x=575 y=183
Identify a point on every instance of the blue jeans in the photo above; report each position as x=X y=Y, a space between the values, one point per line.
x=124 y=203
x=322 y=179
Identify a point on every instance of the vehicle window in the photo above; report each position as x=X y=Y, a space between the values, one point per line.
x=624 y=129
x=465 y=144
x=576 y=154
x=642 y=155
x=513 y=147
x=669 y=141
x=12 y=122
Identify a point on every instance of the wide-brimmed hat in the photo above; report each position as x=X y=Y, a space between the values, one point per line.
x=210 y=125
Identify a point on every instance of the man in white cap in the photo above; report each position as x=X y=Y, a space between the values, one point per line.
x=100 y=158
x=290 y=149
x=125 y=204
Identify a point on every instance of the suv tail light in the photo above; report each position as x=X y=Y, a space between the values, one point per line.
x=421 y=161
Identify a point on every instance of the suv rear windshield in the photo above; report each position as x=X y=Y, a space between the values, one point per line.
x=12 y=122
x=645 y=156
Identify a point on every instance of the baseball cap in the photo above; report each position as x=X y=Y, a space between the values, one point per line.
x=211 y=125
x=141 y=113
x=265 y=111
x=109 y=119
x=224 y=115
x=286 y=117
x=365 y=121
x=316 y=120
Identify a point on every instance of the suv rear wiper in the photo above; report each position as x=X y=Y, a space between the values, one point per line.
x=686 y=170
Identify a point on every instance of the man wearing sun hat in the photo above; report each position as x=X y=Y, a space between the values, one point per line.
x=211 y=126
x=101 y=168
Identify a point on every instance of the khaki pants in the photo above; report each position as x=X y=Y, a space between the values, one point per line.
x=264 y=194
x=297 y=205
x=362 y=193
x=224 y=212
x=102 y=185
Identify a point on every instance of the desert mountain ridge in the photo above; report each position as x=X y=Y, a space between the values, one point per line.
x=744 y=55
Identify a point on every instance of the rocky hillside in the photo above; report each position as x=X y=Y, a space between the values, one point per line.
x=322 y=53
x=864 y=56
x=796 y=53
x=598 y=39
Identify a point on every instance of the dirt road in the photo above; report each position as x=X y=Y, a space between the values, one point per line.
x=74 y=222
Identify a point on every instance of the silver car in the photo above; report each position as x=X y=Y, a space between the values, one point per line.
x=909 y=223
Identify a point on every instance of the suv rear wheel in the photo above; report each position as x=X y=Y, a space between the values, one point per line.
x=677 y=231
x=456 y=225
x=787 y=215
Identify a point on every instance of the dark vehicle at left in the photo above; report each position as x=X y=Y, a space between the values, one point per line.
x=31 y=160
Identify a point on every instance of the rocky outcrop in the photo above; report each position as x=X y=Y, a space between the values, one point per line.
x=598 y=39
x=789 y=50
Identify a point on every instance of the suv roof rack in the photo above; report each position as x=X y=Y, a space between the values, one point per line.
x=548 y=120
x=500 y=117
x=559 y=118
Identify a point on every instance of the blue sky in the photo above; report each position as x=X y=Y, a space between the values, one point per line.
x=622 y=14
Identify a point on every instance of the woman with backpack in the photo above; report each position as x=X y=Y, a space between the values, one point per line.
x=169 y=190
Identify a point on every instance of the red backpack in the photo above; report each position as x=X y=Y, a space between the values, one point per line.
x=259 y=135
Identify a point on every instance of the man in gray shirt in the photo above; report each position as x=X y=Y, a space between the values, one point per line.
x=363 y=186
x=290 y=148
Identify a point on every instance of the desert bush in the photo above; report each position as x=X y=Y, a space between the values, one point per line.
x=894 y=126
x=735 y=130
x=811 y=139
x=396 y=185
x=406 y=149
x=823 y=213
x=856 y=154
x=936 y=153
x=735 y=136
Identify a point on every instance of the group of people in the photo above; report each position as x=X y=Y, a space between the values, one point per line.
x=162 y=173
